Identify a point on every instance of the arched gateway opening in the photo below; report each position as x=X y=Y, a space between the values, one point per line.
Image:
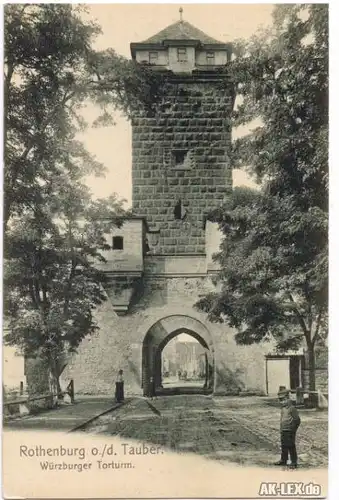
x=156 y=343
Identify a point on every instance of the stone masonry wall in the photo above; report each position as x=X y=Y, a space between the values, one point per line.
x=321 y=370
x=118 y=343
x=194 y=118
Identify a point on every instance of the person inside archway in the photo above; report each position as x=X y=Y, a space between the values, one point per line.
x=119 y=387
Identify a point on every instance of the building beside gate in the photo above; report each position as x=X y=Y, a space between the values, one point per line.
x=160 y=260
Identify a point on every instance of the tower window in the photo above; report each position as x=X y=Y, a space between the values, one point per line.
x=146 y=246
x=118 y=243
x=166 y=106
x=197 y=106
x=182 y=159
x=153 y=57
x=179 y=156
x=210 y=57
x=182 y=54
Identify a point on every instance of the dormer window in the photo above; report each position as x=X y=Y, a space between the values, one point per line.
x=153 y=57
x=210 y=57
x=182 y=54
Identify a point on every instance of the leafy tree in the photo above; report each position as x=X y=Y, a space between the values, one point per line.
x=45 y=62
x=51 y=282
x=51 y=73
x=53 y=231
x=282 y=77
x=273 y=279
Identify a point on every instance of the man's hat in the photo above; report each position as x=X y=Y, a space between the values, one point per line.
x=283 y=392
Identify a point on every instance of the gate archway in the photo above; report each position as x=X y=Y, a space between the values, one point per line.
x=156 y=339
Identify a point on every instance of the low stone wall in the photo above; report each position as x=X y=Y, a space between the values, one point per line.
x=321 y=380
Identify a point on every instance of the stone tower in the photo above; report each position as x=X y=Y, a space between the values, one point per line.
x=160 y=260
x=181 y=166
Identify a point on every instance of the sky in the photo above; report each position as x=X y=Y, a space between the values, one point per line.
x=125 y=23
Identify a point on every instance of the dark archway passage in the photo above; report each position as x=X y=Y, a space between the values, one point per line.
x=156 y=340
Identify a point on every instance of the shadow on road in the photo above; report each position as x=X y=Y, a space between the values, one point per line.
x=184 y=389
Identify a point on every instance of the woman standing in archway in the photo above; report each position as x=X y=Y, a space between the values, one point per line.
x=119 y=387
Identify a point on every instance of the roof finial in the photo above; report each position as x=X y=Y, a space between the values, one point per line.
x=181 y=10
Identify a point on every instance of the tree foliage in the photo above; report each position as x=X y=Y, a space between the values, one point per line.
x=273 y=259
x=282 y=76
x=51 y=73
x=51 y=282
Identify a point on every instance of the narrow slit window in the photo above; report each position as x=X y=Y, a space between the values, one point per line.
x=118 y=243
x=146 y=246
x=179 y=211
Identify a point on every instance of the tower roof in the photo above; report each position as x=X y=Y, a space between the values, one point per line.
x=181 y=30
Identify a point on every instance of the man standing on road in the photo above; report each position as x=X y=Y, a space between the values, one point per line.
x=289 y=423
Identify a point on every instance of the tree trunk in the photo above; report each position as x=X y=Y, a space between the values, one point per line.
x=53 y=382
x=53 y=378
x=311 y=366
